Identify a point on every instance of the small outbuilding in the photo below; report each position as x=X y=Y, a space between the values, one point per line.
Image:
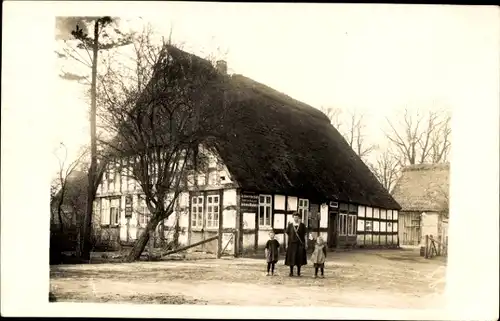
x=423 y=193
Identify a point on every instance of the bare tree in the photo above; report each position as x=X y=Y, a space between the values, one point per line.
x=421 y=138
x=91 y=46
x=386 y=168
x=334 y=114
x=60 y=184
x=161 y=113
x=352 y=129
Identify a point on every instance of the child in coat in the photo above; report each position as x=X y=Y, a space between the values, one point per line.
x=318 y=257
x=272 y=252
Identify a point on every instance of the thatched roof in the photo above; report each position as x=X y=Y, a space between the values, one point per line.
x=423 y=187
x=280 y=145
x=272 y=143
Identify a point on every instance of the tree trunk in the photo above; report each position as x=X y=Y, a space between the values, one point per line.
x=142 y=241
x=87 y=226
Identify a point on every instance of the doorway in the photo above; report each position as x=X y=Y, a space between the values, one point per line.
x=332 y=229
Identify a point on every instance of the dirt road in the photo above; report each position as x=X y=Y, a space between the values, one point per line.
x=385 y=278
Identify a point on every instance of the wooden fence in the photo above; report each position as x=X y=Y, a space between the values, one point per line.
x=434 y=247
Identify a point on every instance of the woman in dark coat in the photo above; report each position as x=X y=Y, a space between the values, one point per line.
x=296 y=250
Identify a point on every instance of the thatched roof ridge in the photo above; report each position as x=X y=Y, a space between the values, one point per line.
x=423 y=187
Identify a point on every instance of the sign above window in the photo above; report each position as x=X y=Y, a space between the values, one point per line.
x=334 y=204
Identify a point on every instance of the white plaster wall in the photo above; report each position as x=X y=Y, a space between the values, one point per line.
x=368 y=212
x=184 y=211
x=429 y=225
x=360 y=240
x=123 y=220
x=229 y=215
x=263 y=237
x=389 y=214
x=248 y=220
x=361 y=211
x=279 y=202
x=376 y=213
x=292 y=203
x=361 y=225
x=323 y=211
x=383 y=214
x=383 y=226
x=279 y=221
x=395 y=215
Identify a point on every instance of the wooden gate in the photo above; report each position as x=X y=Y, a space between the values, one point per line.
x=409 y=227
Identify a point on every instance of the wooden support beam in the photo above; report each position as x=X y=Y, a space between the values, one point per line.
x=190 y=246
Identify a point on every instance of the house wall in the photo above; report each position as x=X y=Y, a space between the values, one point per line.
x=377 y=227
x=410 y=233
x=116 y=184
x=240 y=216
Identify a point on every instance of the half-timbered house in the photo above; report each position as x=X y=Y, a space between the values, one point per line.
x=279 y=156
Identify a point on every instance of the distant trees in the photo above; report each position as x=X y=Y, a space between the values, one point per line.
x=59 y=188
x=352 y=126
x=413 y=138
x=421 y=137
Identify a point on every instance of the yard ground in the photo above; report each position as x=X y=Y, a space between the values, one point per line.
x=359 y=278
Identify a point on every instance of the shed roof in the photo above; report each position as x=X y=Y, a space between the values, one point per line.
x=423 y=187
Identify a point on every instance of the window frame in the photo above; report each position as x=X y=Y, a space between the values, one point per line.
x=195 y=217
x=144 y=213
x=352 y=218
x=342 y=224
x=303 y=210
x=214 y=223
x=115 y=222
x=267 y=216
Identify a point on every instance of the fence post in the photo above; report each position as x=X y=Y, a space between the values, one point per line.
x=426 y=246
x=219 y=246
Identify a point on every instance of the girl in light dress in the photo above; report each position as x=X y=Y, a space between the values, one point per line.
x=318 y=257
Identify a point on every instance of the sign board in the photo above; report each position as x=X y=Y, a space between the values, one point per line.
x=334 y=204
x=249 y=202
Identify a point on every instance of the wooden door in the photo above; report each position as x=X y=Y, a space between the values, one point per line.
x=332 y=229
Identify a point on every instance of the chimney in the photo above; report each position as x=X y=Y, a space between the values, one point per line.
x=221 y=66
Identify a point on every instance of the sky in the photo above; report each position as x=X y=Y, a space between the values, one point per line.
x=376 y=59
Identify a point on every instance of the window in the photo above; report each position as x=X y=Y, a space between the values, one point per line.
x=304 y=209
x=104 y=211
x=201 y=179
x=212 y=217
x=351 y=225
x=265 y=210
x=144 y=215
x=342 y=224
x=128 y=206
x=114 y=212
x=197 y=211
x=368 y=226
